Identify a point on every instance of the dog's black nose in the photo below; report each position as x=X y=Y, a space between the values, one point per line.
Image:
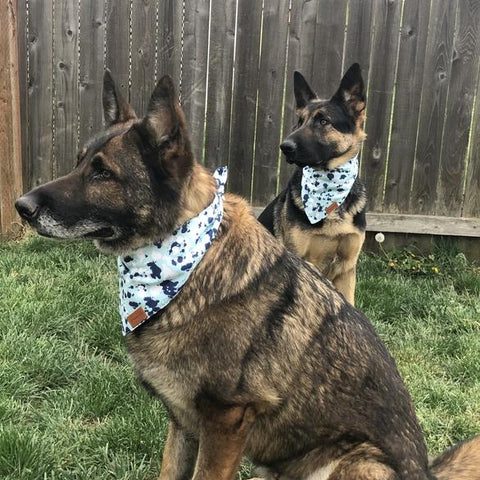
x=27 y=207
x=288 y=147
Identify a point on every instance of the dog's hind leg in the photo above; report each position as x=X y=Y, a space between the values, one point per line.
x=179 y=455
x=223 y=435
x=462 y=462
x=367 y=462
x=366 y=469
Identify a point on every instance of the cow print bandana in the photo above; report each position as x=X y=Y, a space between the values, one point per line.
x=323 y=191
x=151 y=276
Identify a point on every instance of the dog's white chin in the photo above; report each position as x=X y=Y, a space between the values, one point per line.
x=47 y=226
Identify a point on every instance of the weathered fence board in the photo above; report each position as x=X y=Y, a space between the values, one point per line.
x=65 y=88
x=23 y=86
x=270 y=101
x=386 y=23
x=233 y=64
x=432 y=108
x=358 y=37
x=420 y=224
x=220 y=75
x=327 y=55
x=244 y=99
x=10 y=138
x=169 y=53
x=118 y=43
x=144 y=45
x=459 y=109
x=411 y=61
x=194 y=70
x=91 y=67
x=423 y=224
x=471 y=205
x=40 y=92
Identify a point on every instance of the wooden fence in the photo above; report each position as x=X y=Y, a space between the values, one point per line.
x=233 y=61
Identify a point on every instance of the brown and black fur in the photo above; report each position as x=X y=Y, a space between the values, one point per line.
x=258 y=355
x=329 y=133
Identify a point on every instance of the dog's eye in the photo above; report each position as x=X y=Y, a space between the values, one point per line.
x=99 y=170
x=323 y=121
x=103 y=174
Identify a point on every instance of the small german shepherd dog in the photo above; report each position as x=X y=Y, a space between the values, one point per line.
x=257 y=355
x=329 y=133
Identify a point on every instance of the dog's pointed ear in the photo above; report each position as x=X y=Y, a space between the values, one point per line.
x=115 y=108
x=162 y=118
x=303 y=92
x=352 y=91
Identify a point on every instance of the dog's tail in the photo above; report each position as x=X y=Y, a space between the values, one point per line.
x=461 y=462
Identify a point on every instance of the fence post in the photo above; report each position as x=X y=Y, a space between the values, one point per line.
x=10 y=142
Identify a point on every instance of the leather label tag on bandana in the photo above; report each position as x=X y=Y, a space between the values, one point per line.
x=137 y=317
x=331 y=208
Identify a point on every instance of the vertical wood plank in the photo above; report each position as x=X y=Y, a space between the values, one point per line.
x=466 y=50
x=194 y=72
x=222 y=39
x=143 y=54
x=301 y=37
x=386 y=23
x=328 y=47
x=411 y=61
x=303 y=19
x=358 y=39
x=118 y=43
x=471 y=204
x=23 y=87
x=10 y=137
x=270 y=100
x=92 y=38
x=432 y=109
x=170 y=17
x=244 y=97
x=65 y=102
x=40 y=91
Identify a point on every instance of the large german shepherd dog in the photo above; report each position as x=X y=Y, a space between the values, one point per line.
x=329 y=134
x=257 y=355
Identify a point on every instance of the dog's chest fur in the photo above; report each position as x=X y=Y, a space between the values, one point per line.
x=326 y=248
x=157 y=367
x=170 y=357
x=329 y=243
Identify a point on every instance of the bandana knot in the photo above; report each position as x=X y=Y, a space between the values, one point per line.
x=323 y=191
x=152 y=276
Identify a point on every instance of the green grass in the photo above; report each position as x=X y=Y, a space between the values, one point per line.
x=70 y=407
